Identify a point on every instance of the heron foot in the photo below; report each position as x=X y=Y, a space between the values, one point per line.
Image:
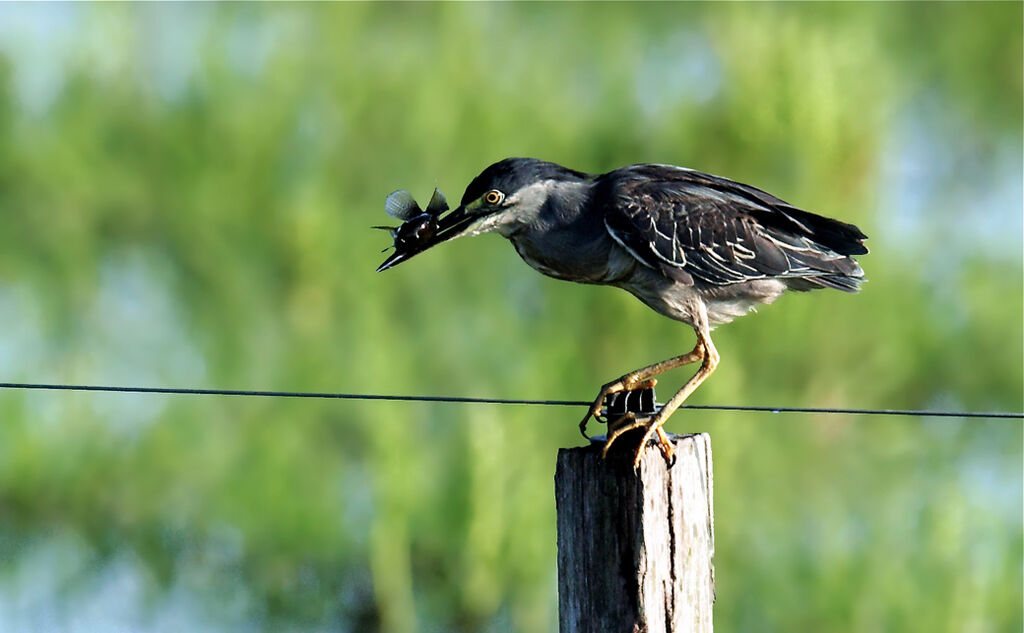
x=629 y=382
x=652 y=425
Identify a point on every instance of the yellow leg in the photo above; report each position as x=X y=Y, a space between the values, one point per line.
x=655 y=424
x=625 y=424
x=633 y=380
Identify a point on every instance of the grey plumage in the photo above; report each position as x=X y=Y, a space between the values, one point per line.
x=695 y=247
x=667 y=234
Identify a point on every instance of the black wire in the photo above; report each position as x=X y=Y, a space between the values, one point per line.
x=565 y=403
x=912 y=412
x=282 y=394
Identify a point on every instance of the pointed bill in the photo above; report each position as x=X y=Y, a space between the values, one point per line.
x=449 y=227
x=401 y=205
x=437 y=203
x=393 y=260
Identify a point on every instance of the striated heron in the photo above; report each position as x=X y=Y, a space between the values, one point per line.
x=694 y=247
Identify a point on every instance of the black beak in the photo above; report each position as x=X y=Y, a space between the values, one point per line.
x=394 y=259
x=449 y=227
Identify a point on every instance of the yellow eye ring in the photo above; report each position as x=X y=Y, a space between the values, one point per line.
x=493 y=196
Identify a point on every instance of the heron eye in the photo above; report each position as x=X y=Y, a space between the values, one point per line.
x=493 y=196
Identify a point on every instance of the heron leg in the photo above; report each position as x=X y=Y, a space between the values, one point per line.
x=622 y=425
x=636 y=380
x=654 y=424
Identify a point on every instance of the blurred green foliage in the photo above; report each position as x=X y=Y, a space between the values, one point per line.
x=185 y=196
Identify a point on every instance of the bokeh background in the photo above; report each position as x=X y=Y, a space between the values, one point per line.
x=185 y=196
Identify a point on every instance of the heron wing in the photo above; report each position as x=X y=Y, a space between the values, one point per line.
x=688 y=225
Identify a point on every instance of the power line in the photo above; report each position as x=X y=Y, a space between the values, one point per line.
x=458 y=399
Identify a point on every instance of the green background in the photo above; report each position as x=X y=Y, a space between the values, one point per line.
x=185 y=196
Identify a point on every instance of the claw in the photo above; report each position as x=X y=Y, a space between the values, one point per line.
x=595 y=409
x=626 y=383
x=617 y=428
x=665 y=445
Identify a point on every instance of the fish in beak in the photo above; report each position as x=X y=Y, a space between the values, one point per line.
x=421 y=230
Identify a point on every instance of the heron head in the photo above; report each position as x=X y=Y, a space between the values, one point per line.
x=506 y=194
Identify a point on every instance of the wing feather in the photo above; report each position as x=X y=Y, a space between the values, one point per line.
x=693 y=225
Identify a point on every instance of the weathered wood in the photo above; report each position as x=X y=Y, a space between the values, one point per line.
x=635 y=550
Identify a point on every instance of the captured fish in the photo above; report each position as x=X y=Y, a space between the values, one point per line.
x=419 y=227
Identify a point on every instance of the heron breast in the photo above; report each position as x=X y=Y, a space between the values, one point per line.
x=590 y=262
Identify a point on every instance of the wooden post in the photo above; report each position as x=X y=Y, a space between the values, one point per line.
x=635 y=549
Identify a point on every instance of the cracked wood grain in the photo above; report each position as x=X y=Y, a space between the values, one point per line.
x=635 y=550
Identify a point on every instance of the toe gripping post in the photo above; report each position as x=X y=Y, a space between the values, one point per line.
x=628 y=414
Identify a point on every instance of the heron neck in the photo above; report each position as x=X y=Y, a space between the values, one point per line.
x=550 y=205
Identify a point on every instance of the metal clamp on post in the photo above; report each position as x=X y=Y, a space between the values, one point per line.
x=623 y=409
x=640 y=402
